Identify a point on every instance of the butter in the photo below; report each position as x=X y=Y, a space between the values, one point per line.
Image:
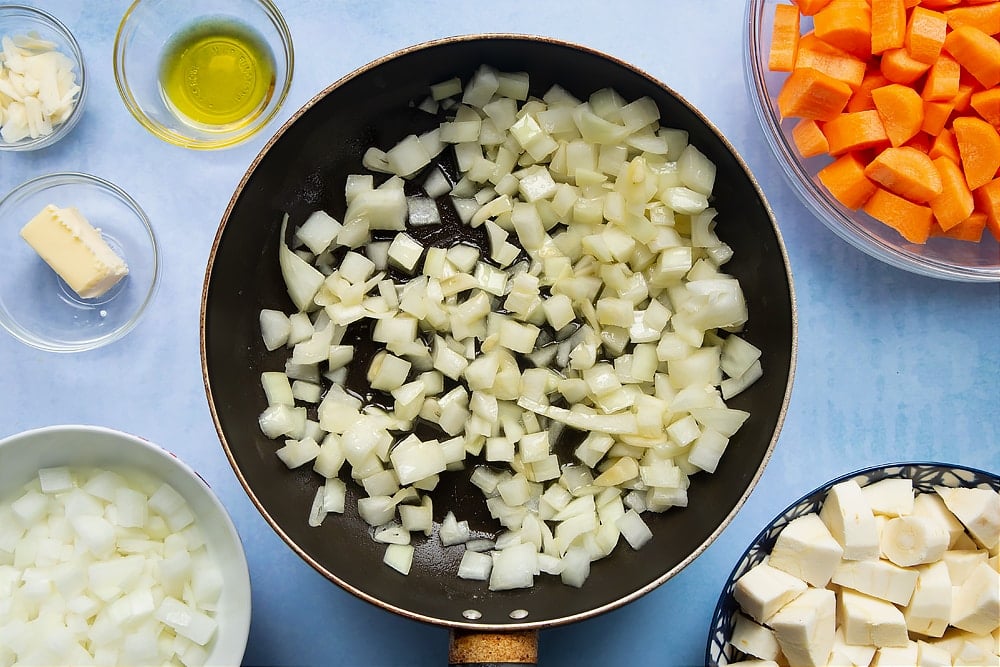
x=75 y=250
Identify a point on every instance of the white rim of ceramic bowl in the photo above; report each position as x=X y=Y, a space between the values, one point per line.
x=224 y=140
x=45 y=181
x=815 y=199
x=235 y=644
x=77 y=55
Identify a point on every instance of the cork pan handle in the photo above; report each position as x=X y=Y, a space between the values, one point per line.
x=492 y=649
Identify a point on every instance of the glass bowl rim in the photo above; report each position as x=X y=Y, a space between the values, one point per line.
x=43 y=182
x=224 y=140
x=36 y=13
x=819 y=202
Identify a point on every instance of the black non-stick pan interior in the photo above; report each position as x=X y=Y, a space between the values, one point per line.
x=303 y=169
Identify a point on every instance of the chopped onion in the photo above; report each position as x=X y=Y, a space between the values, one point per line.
x=598 y=303
x=101 y=564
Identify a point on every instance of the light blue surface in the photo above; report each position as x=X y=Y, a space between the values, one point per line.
x=891 y=366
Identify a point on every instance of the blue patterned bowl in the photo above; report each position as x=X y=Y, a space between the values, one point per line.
x=925 y=477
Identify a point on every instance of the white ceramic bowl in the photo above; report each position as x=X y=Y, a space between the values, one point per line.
x=25 y=453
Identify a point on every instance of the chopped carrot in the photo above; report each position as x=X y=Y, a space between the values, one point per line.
x=986 y=17
x=945 y=144
x=845 y=179
x=906 y=172
x=970 y=229
x=810 y=7
x=901 y=111
x=979 y=146
x=888 y=25
x=808 y=93
x=816 y=54
x=809 y=138
x=904 y=96
x=963 y=98
x=854 y=131
x=925 y=32
x=988 y=201
x=938 y=4
x=987 y=104
x=846 y=24
x=784 y=38
x=977 y=52
x=861 y=100
x=954 y=203
x=921 y=142
x=936 y=115
x=899 y=67
x=942 y=79
x=912 y=221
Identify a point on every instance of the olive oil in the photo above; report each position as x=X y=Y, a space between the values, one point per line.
x=217 y=74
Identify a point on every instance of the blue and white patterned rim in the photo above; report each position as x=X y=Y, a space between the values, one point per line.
x=925 y=476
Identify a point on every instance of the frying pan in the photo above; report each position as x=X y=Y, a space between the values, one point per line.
x=301 y=169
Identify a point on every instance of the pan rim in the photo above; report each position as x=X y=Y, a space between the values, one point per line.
x=513 y=626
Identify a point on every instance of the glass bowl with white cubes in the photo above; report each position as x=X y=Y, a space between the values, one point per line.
x=890 y=565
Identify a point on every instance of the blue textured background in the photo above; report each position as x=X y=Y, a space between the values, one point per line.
x=891 y=366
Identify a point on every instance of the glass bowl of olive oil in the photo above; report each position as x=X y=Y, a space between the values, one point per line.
x=203 y=74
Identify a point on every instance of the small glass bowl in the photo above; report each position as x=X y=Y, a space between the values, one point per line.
x=925 y=476
x=939 y=257
x=36 y=306
x=145 y=30
x=20 y=20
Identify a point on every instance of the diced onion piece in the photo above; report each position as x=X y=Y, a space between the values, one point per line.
x=634 y=529
x=514 y=567
x=399 y=557
x=475 y=566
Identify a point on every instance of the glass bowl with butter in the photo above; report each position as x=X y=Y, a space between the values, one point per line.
x=203 y=74
x=42 y=64
x=80 y=262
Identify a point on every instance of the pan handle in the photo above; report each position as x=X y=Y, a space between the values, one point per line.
x=492 y=649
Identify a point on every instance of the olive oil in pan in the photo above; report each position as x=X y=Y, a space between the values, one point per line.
x=217 y=74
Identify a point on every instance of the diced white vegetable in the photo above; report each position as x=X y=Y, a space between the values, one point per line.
x=583 y=305
x=399 y=557
x=274 y=328
x=634 y=529
x=475 y=566
x=452 y=531
x=405 y=252
x=82 y=587
x=318 y=231
x=55 y=480
x=514 y=567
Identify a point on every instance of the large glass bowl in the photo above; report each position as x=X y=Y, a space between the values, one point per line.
x=146 y=29
x=939 y=257
x=36 y=306
x=19 y=20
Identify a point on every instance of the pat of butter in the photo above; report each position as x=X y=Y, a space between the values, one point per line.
x=75 y=250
